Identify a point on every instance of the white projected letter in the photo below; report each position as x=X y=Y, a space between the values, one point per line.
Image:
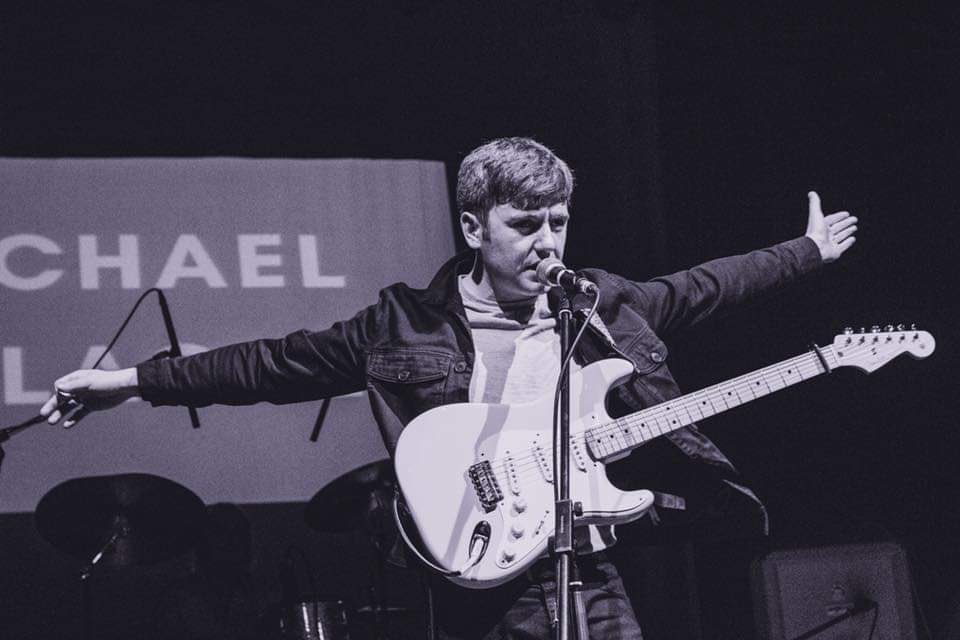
x=251 y=261
x=43 y=279
x=310 y=266
x=13 y=391
x=128 y=261
x=189 y=246
x=94 y=352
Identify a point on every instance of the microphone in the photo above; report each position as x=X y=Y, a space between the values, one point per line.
x=554 y=273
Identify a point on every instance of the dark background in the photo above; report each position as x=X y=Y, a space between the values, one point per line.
x=695 y=131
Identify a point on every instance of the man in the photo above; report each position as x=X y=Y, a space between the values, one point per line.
x=483 y=331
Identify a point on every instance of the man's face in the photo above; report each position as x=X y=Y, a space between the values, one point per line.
x=515 y=241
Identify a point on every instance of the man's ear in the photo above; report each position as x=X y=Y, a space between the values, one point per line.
x=472 y=229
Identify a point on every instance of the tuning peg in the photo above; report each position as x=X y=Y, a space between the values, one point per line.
x=875 y=329
x=888 y=328
x=847 y=331
x=863 y=329
x=900 y=327
x=913 y=327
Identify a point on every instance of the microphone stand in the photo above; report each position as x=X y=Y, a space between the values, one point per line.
x=563 y=550
x=174 y=344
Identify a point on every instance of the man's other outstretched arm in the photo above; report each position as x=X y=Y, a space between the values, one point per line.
x=304 y=365
x=684 y=298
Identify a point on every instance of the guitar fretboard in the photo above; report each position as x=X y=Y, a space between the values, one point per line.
x=626 y=433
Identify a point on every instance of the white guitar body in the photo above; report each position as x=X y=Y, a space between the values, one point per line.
x=438 y=449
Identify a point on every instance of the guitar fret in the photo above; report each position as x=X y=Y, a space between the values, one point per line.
x=773 y=380
x=700 y=403
x=644 y=427
x=627 y=430
x=687 y=419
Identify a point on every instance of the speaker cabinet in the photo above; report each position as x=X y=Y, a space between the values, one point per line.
x=798 y=590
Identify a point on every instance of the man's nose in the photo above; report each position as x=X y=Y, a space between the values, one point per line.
x=546 y=243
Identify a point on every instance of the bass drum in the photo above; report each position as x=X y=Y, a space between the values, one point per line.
x=315 y=620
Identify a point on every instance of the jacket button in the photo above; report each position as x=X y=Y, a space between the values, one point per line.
x=460 y=367
x=656 y=356
x=403 y=375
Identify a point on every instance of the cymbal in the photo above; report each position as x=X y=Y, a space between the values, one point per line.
x=155 y=518
x=356 y=500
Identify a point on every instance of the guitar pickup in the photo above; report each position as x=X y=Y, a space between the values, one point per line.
x=486 y=485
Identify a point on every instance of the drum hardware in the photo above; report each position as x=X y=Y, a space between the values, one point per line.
x=119 y=520
x=315 y=620
x=360 y=500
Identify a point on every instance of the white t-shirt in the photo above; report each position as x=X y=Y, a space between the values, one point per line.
x=518 y=360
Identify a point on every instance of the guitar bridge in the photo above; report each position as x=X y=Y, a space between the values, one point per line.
x=486 y=485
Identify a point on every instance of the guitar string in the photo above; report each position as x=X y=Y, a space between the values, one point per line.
x=655 y=419
x=528 y=459
x=521 y=462
x=806 y=363
x=741 y=383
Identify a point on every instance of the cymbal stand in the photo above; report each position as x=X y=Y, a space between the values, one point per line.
x=379 y=540
x=120 y=529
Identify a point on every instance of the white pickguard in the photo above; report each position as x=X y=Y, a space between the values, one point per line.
x=437 y=449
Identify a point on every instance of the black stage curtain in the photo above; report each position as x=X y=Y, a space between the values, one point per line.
x=351 y=79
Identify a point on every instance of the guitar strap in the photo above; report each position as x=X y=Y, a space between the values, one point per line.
x=666 y=500
x=660 y=499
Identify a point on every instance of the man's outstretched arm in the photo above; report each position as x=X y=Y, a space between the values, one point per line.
x=684 y=298
x=304 y=365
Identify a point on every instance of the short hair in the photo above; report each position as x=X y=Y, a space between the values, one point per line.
x=520 y=172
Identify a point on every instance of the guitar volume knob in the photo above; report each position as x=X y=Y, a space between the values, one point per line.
x=517 y=530
x=508 y=555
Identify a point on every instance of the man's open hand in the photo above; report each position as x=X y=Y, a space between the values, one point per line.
x=833 y=234
x=87 y=390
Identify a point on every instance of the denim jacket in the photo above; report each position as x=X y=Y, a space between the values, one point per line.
x=412 y=350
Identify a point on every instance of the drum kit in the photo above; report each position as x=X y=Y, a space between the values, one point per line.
x=137 y=519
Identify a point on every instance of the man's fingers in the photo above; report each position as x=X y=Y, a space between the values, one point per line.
x=834 y=218
x=49 y=406
x=78 y=414
x=66 y=405
x=845 y=233
x=841 y=223
x=846 y=244
x=814 y=203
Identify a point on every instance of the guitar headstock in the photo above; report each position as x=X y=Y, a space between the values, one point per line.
x=870 y=350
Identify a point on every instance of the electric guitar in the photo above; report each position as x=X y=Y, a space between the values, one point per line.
x=477 y=478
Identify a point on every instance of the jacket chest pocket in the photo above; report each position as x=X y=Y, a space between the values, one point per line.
x=413 y=378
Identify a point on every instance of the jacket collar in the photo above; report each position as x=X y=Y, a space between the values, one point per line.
x=444 y=288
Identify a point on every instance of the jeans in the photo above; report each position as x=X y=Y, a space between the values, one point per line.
x=526 y=608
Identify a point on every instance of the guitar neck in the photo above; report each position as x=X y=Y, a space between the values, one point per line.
x=629 y=432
